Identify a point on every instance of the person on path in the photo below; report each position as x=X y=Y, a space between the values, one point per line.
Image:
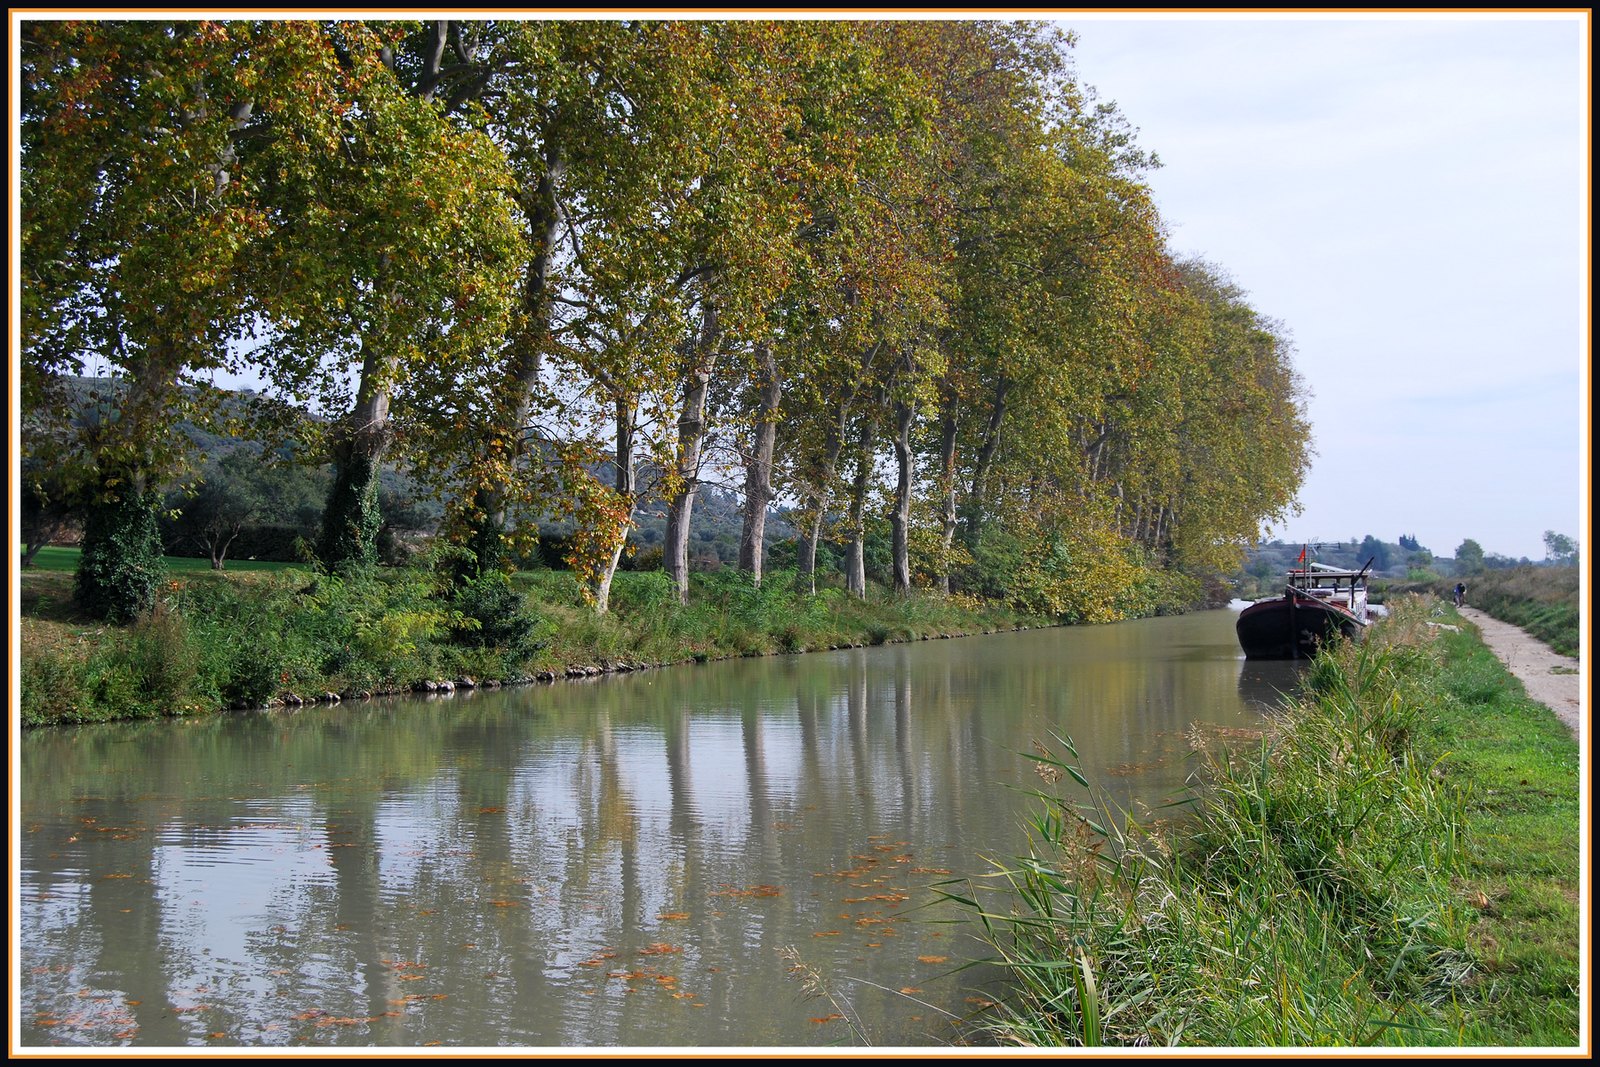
x=1461 y=593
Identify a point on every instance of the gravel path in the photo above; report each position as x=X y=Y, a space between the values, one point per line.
x=1553 y=680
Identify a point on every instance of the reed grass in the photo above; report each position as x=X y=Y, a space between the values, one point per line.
x=1317 y=894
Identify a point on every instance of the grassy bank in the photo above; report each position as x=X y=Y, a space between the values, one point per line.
x=1540 y=600
x=247 y=638
x=1395 y=862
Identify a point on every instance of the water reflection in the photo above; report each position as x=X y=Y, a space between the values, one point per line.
x=1265 y=683
x=615 y=862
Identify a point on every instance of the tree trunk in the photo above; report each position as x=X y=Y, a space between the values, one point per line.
x=947 y=491
x=832 y=446
x=691 y=437
x=121 y=561
x=900 y=518
x=856 y=569
x=527 y=361
x=351 y=521
x=758 y=468
x=983 y=461
x=627 y=488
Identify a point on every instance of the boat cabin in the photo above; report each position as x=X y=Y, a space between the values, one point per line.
x=1346 y=590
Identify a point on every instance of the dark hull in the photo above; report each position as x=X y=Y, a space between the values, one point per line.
x=1292 y=628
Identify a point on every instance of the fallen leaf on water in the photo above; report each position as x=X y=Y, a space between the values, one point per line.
x=827 y=1018
x=930 y=870
x=933 y=959
x=672 y=916
x=660 y=948
x=490 y=811
x=826 y=933
x=909 y=989
x=505 y=903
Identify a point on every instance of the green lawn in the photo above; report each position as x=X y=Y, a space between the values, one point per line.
x=66 y=559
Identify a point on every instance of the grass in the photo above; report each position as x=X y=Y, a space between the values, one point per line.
x=1395 y=863
x=59 y=559
x=285 y=634
x=1540 y=600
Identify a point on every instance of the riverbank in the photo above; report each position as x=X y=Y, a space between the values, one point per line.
x=1541 y=600
x=1397 y=863
x=290 y=637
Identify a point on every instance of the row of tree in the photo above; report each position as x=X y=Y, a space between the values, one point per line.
x=909 y=268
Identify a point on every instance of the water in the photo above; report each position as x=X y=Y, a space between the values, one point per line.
x=638 y=860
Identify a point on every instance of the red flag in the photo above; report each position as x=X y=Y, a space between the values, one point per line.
x=1302 y=555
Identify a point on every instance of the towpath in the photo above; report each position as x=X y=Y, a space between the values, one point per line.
x=1551 y=679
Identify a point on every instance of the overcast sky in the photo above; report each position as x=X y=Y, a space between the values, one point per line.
x=1408 y=195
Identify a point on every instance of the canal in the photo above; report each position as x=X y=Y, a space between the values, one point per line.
x=645 y=860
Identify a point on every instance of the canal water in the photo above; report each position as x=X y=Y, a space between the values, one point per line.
x=658 y=859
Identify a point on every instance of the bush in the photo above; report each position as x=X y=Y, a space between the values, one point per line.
x=163 y=665
x=495 y=615
x=52 y=689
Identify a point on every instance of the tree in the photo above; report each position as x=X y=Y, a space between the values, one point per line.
x=244 y=489
x=1378 y=552
x=1469 y=557
x=135 y=222
x=1560 y=549
x=397 y=227
x=48 y=508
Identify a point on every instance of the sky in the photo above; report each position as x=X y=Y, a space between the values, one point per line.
x=1409 y=197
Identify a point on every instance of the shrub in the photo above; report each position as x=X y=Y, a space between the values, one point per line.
x=493 y=614
x=163 y=665
x=52 y=688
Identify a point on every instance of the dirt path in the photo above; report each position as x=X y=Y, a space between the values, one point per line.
x=1551 y=679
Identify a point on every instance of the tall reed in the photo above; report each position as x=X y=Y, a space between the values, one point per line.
x=1305 y=900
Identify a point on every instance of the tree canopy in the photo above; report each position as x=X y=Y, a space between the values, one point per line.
x=897 y=275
